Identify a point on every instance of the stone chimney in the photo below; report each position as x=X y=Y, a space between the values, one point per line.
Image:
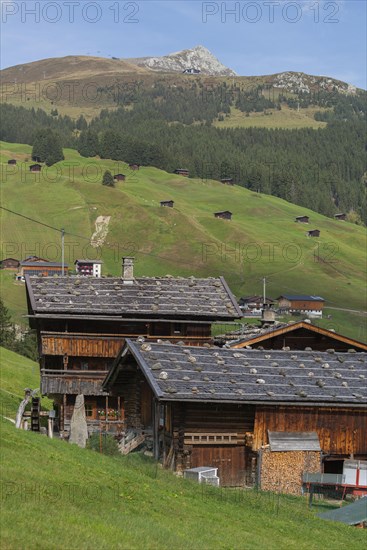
x=128 y=270
x=267 y=316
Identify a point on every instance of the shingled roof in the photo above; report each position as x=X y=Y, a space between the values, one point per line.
x=258 y=334
x=150 y=297
x=187 y=373
x=302 y=298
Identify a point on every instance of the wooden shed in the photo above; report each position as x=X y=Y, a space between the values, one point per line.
x=341 y=216
x=35 y=168
x=12 y=161
x=220 y=408
x=182 y=172
x=313 y=233
x=169 y=204
x=119 y=177
x=224 y=215
x=302 y=219
x=9 y=263
x=134 y=166
x=227 y=181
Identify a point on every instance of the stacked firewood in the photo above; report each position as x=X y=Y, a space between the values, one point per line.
x=281 y=471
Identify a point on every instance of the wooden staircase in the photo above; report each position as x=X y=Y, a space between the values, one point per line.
x=126 y=448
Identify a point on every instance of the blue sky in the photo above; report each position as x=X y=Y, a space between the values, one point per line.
x=252 y=37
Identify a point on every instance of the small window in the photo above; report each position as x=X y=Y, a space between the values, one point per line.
x=88 y=410
x=177 y=328
x=84 y=366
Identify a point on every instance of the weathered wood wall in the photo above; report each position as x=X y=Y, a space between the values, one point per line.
x=341 y=431
x=213 y=435
x=96 y=345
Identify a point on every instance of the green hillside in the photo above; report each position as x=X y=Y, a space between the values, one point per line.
x=262 y=240
x=55 y=494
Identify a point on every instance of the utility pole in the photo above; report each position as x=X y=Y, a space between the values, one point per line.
x=264 y=291
x=62 y=252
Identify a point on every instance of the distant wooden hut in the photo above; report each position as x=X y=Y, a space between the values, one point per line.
x=134 y=166
x=12 y=161
x=182 y=172
x=9 y=263
x=35 y=168
x=227 y=181
x=169 y=204
x=313 y=233
x=302 y=219
x=341 y=217
x=119 y=177
x=224 y=215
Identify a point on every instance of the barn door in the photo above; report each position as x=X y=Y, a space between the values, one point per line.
x=229 y=459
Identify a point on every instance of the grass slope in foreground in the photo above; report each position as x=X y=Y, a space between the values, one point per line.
x=262 y=240
x=55 y=494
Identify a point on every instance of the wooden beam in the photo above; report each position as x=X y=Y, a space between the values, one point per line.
x=156 y=429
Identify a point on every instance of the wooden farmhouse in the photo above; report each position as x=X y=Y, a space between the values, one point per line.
x=313 y=233
x=224 y=215
x=300 y=336
x=35 y=168
x=227 y=181
x=341 y=217
x=169 y=204
x=41 y=268
x=302 y=219
x=12 y=161
x=82 y=324
x=235 y=409
x=134 y=166
x=9 y=263
x=298 y=304
x=182 y=172
x=119 y=177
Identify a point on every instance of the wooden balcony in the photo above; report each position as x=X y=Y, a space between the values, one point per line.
x=86 y=382
x=102 y=345
x=81 y=345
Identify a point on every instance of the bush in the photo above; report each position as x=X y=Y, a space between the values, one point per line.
x=103 y=442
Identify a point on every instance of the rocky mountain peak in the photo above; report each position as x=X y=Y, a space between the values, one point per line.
x=197 y=60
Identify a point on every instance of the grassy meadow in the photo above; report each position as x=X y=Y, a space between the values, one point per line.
x=54 y=494
x=272 y=118
x=262 y=240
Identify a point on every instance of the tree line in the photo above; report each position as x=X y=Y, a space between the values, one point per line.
x=322 y=169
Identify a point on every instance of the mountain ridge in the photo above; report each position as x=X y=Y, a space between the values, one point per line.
x=172 y=66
